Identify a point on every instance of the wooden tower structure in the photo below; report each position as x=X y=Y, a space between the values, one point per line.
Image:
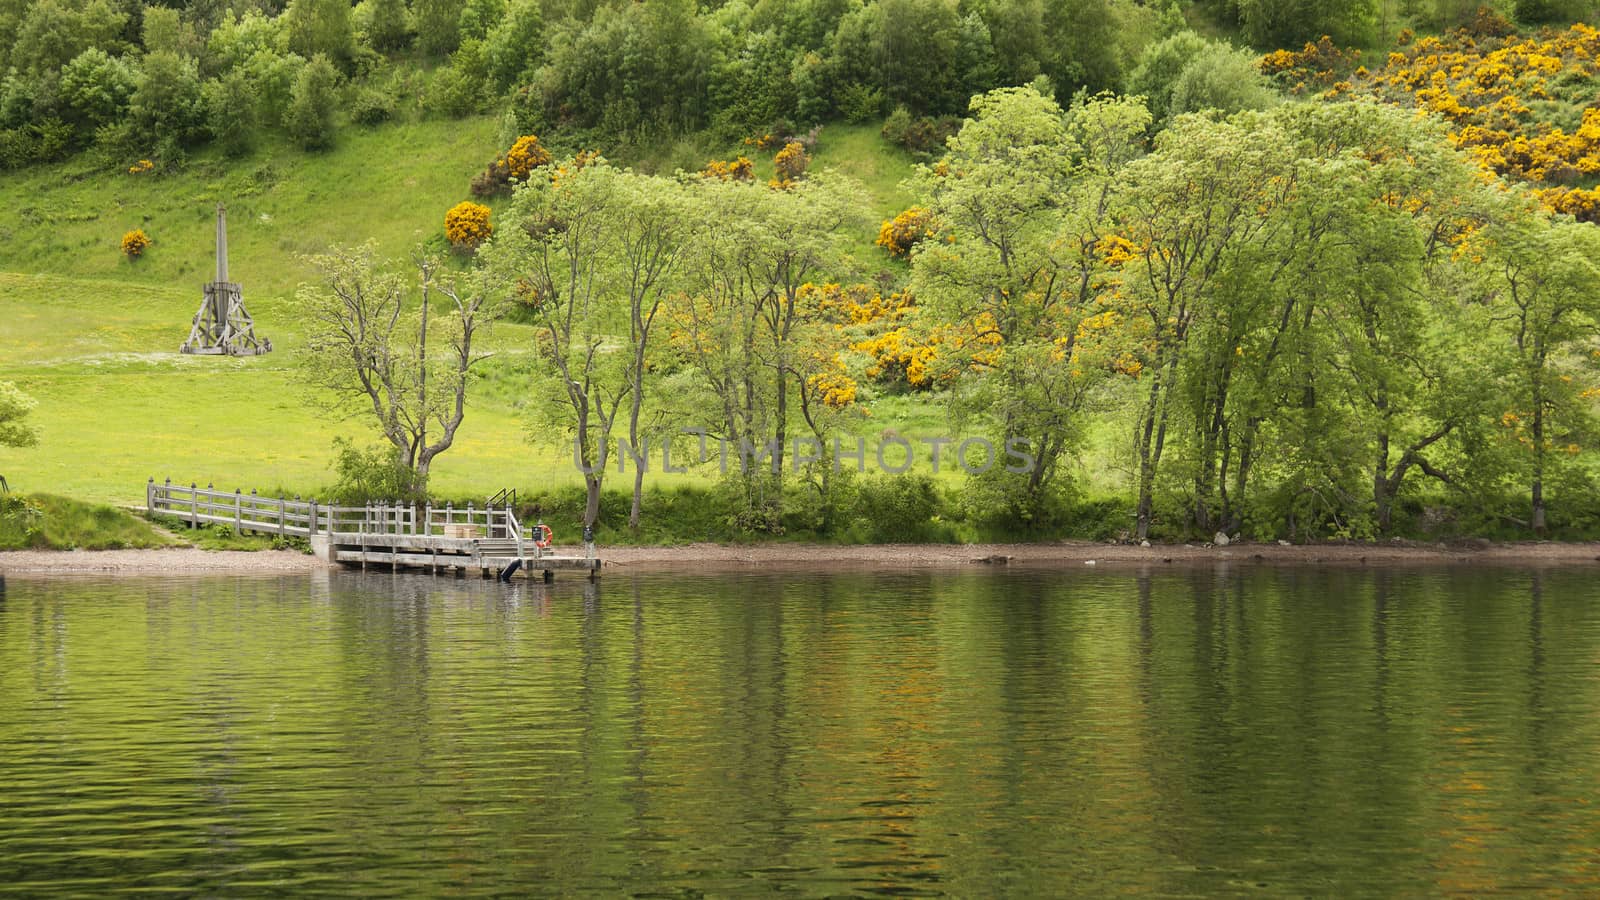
x=222 y=327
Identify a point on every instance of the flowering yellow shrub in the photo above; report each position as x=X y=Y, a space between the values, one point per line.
x=835 y=386
x=1320 y=64
x=1116 y=251
x=525 y=155
x=134 y=243
x=1583 y=205
x=899 y=234
x=738 y=169
x=142 y=167
x=791 y=164
x=1497 y=91
x=467 y=225
x=880 y=328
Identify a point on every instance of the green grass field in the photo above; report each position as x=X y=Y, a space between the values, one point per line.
x=94 y=337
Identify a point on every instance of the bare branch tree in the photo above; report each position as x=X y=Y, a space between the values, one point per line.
x=368 y=344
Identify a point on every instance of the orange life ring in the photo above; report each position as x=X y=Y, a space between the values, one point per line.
x=542 y=536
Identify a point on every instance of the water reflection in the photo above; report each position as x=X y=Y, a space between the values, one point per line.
x=915 y=732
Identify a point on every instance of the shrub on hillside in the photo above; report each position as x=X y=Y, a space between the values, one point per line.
x=925 y=135
x=1159 y=68
x=166 y=106
x=134 y=243
x=231 y=112
x=371 y=107
x=899 y=234
x=790 y=164
x=96 y=88
x=1222 y=78
x=515 y=47
x=859 y=103
x=525 y=155
x=311 y=105
x=36 y=142
x=738 y=169
x=467 y=225
x=386 y=27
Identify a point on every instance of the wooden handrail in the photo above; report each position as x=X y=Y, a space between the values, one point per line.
x=280 y=515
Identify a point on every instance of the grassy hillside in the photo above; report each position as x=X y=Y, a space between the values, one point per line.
x=94 y=337
x=48 y=522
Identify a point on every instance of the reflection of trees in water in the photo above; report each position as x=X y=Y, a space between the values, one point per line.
x=1175 y=730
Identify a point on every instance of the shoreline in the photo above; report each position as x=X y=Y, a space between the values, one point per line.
x=736 y=557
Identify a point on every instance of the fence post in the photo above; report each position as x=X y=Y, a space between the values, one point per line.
x=194 y=506
x=469 y=517
x=238 y=510
x=150 y=496
x=427 y=518
x=313 y=526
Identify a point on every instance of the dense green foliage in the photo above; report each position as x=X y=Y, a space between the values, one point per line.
x=1313 y=320
x=150 y=81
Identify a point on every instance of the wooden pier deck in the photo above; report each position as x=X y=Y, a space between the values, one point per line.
x=487 y=539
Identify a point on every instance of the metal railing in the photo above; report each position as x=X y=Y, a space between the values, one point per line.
x=303 y=518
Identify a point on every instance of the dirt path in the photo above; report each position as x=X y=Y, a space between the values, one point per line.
x=883 y=556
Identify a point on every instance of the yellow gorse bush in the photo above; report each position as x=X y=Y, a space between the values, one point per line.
x=835 y=386
x=899 y=234
x=524 y=156
x=134 y=243
x=790 y=164
x=466 y=225
x=738 y=169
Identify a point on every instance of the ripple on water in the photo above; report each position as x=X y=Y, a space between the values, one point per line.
x=909 y=733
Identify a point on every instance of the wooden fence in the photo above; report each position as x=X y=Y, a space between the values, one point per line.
x=303 y=518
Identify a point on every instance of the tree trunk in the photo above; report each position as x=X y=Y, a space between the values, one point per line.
x=781 y=432
x=1147 y=460
x=591 y=507
x=1382 y=495
x=635 y=513
x=1247 y=449
x=1208 y=471
x=1538 y=518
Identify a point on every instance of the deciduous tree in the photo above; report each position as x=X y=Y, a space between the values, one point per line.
x=368 y=342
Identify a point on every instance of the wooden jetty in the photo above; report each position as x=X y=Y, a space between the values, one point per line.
x=448 y=538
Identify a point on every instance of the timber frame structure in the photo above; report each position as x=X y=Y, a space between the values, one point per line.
x=222 y=327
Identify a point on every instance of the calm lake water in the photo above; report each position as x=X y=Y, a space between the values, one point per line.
x=1030 y=732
